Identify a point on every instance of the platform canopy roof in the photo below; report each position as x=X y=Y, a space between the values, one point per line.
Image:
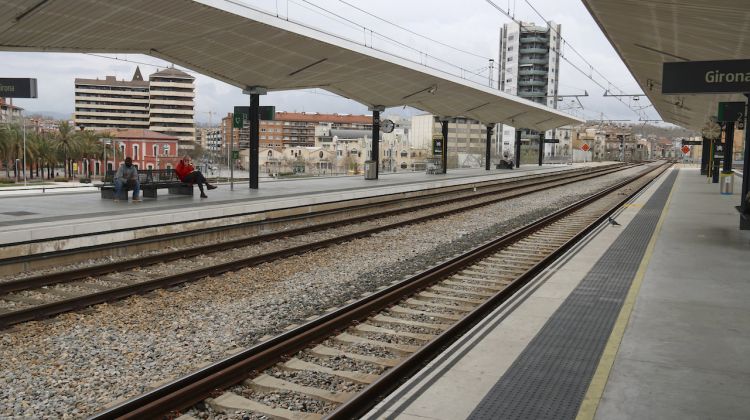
x=647 y=33
x=232 y=42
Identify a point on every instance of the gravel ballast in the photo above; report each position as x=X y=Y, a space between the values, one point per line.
x=74 y=364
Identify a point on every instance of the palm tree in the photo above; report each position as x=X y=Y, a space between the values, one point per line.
x=45 y=153
x=5 y=149
x=12 y=144
x=66 y=142
x=89 y=147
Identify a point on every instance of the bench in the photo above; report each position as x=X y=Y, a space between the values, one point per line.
x=151 y=180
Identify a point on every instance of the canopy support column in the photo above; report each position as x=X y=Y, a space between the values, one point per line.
x=705 y=155
x=254 y=148
x=744 y=206
x=488 y=146
x=541 y=147
x=375 y=149
x=518 y=148
x=444 y=126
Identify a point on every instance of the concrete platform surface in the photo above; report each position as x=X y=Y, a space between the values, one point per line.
x=55 y=214
x=685 y=352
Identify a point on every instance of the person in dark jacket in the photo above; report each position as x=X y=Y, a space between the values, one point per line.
x=127 y=174
x=187 y=174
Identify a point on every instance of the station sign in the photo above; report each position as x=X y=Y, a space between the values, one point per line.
x=731 y=111
x=17 y=88
x=691 y=142
x=437 y=146
x=725 y=76
x=552 y=140
x=242 y=114
x=719 y=151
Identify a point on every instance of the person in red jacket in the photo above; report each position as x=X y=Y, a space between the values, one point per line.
x=187 y=174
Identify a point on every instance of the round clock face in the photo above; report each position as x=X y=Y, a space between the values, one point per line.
x=387 y=126
x=711 y=130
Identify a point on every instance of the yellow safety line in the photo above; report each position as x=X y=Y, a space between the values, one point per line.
x=599 y=381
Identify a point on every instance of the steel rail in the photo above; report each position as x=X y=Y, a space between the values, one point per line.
x=106 y=268
x=193 y=388
x=391 y=198
x=80 y=302
x=365 y=400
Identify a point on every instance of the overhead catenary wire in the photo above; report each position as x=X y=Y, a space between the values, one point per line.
x=565 y=42
x=413 y=32
x=589 y=75
x=384 y=37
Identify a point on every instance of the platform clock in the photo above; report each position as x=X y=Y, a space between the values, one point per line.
x=387 y=126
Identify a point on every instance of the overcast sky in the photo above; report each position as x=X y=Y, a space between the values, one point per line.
x=469 y=25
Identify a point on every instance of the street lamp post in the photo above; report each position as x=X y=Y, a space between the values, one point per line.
x=23 y=121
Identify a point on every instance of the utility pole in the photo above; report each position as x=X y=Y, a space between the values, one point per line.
x=492 y=70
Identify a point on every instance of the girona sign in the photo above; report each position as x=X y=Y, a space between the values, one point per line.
x=727 y=76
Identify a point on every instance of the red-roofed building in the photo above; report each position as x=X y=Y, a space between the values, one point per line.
x=149 y=149
x=9 y=112
x=292 y=129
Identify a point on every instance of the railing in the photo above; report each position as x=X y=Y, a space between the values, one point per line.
x=534 y=60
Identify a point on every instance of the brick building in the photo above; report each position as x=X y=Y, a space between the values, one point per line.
x=291 y=129
x=149 y=149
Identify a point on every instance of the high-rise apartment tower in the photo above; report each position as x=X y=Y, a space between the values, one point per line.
x=529 y=66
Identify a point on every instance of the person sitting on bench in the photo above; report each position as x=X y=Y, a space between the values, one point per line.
x=127 y=175
x=187 y=174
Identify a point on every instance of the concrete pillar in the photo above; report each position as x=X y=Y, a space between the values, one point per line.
x=541 y=147
x=444 y=126
x=254 y=149
x=705 y=156
x=375 y=149
x=254 y=139
x=745 y=195
x=488 y=145
x=518 y=148
x=728 y=146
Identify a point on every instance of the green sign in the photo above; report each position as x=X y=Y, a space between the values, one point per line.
x=237 y=119
x=235 y=154
x=731 y=111
x=267 y=113
x=242 y=113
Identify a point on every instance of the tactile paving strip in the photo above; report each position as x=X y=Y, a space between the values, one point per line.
x=551 y=376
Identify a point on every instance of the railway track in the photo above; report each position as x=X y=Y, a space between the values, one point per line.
x=48 y=294
x=23 y=257
x=341 y=364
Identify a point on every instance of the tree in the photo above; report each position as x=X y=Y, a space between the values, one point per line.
x=46 y=154
x=11 y=143
x=66 y=143
x=195 y=153
x=89 y=147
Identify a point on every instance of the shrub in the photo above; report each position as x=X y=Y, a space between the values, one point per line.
x=61 y=179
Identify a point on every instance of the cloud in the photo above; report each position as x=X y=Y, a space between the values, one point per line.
x=472 y=27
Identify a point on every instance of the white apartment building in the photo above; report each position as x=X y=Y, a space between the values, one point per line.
x=172 y=105
x=112 y=104
x=466 y=139
x=529 y=67
x=165 y=103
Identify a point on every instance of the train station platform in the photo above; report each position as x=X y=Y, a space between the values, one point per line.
x=646 y=320
x=32 y=216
